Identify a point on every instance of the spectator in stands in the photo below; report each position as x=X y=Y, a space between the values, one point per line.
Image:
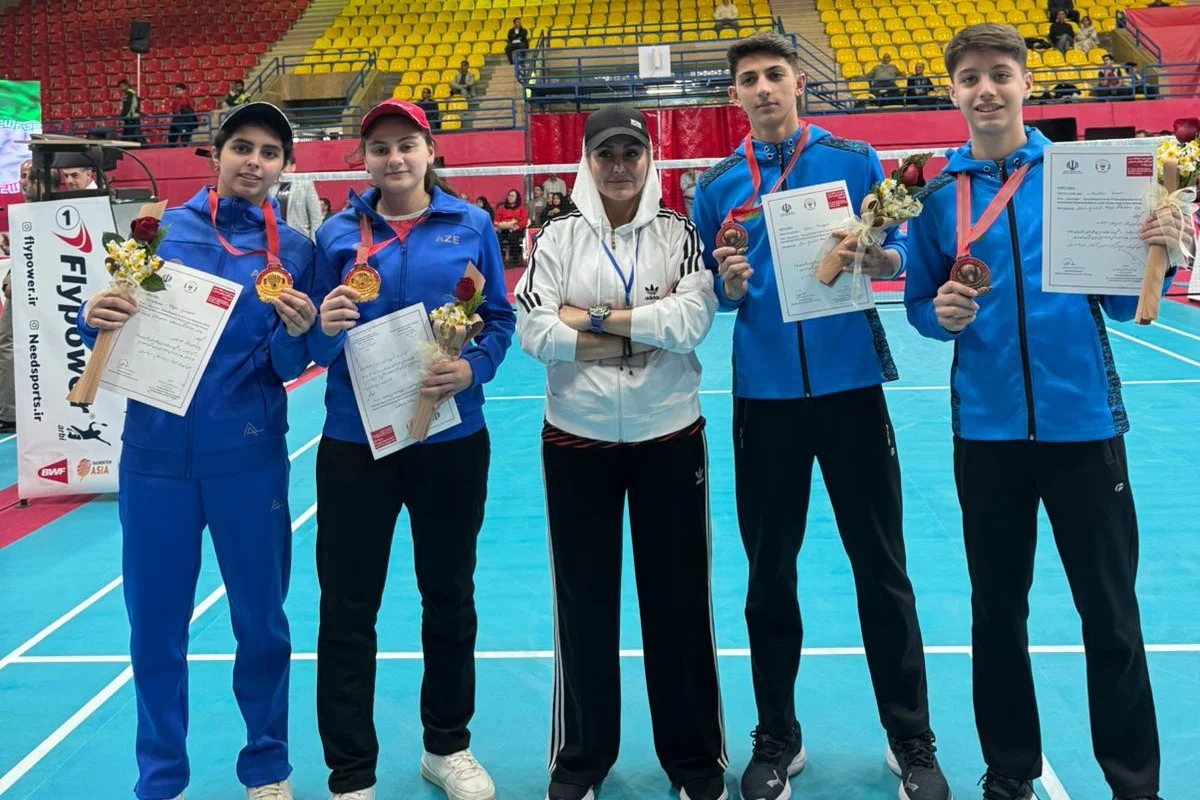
x=1064 y=6
x=183 y=116
x=537 y=204
x=237 y=95
x=483 y=203
x=433 y=111
x=554 y=184
x=687 y=185
x=1108 y=79
x=918 y=88
x=511 y=220
x=464 y=82
x=614 y=305
x=1087 y=38
x=799 y=404
x=326 y=208
x=31 y=188
x=554 y=208
x=423 y=237
x=883 y=78
x=725 y=16
x=130 y=113
x=298 y=204
x=8 y=393
x=1062 y=32
x=518 y=39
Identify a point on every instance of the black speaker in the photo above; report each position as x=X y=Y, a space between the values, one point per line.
x=139 y=36
x=1117 y=132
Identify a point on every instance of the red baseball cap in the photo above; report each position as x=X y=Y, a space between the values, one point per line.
x=394 y=108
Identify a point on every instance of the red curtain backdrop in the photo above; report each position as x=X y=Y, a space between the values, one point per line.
x=1176 y=31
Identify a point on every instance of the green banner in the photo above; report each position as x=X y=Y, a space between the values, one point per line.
x=20 y=116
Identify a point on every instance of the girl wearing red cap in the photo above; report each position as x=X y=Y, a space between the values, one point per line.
x=420 y=236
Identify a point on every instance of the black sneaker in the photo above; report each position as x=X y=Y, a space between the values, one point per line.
x=774 y=761
x=914 y=762
x=996 y=787
x=569 y=791
x=712 y=788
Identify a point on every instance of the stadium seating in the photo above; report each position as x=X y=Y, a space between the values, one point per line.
x=861 y=32
x=424 y=41
x=78 y=49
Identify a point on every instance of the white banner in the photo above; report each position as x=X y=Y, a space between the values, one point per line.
x=58 y=262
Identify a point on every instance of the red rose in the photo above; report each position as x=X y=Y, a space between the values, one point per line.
x=145 y=229
x=911 y=176
x=464 y=290
x=1186 y=129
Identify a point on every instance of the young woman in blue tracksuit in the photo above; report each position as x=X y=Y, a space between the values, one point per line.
x=224 y=465
x=804 y=392
x=421 y=237
x=1037 y=418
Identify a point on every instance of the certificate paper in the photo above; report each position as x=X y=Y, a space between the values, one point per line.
x=1095 y=205
x=161 y=353
x=385 y=357
x=799 y=223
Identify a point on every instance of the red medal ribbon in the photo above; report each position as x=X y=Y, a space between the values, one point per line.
x=270 y=225
x=745 y=209
x=968 y=233
x=366 y=245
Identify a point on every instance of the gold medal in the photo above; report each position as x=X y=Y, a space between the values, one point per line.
x=364 y=280
x=271 y=282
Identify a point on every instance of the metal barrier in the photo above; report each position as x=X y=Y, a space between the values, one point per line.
x=1140 y=38
x=560 y=37
x=362 y=64
x=478 y=114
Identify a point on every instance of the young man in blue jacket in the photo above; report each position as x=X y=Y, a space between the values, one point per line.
x=803 y=391
x=1037 y=416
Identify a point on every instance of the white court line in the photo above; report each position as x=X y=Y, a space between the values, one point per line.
x=1051 y=783
x=1165 y=328
x=58 y=623
x=56 y=738
x=1154 y=347
x=538 y=655
x=6 y=438
x=1158 y=382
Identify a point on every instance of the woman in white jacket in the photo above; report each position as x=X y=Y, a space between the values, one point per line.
x=614 y=303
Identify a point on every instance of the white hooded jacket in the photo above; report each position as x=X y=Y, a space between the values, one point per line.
x=622 y=399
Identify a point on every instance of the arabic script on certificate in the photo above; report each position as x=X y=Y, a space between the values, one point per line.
x=1095 y=200
x=386 y=357
x=799 y=225
x=161 y=353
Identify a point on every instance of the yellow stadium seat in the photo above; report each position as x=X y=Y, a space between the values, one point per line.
x=930 y=50
x=331 y=56
x=322 y=69
x=945 y=8
x=411 y=78
x=852 y=70
x=910 y=52
x=839 y=42
x=887 y=12
x=431 y=77
x=322 y=44
x=844 y=56
x=451 y=122
x=341 y=43
x=955 y=21
x=1076 y=58
x=418 y=64
x=441 y=92
x=922 y=36
x=829 y=16
x=867 y=55
x=848 y=14
x=901 y=38
x=387 y=51
x=860 y=40
x=860 y=89
x=1015 y=17
x=854 y=26
x=834 y=28
x=880 y=38
x=1034 y=59
x=303 y=69
x=925 y=9
x=437 y=62
x=975 y=19
x=867 y=13
x=1053 y=58
x=1028 y=31
x=996 y=17
x=893 y=24
x=444 y=49
x=341 y=67
x=894 y=52
x=937 y=65
x=824 y=5
x=448 y=75
x=874 y=25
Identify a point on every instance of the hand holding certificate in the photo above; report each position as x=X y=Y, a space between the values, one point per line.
x=799 y=224
x=387 y=362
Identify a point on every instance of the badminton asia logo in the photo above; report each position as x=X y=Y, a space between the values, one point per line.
x=87 y=467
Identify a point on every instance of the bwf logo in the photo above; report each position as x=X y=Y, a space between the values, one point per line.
x=56 y=472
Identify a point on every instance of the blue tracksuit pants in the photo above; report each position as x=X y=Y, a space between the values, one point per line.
x=162 y=520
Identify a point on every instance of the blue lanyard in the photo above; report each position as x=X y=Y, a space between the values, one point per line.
x=625 y=282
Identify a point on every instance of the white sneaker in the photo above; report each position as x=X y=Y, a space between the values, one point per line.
x=459 y=775
x=272 y=791
x=358 y=794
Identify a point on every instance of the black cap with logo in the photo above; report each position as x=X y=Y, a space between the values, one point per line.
x=613 y=121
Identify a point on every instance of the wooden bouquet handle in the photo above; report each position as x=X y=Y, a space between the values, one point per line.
x=84 y=391
x=451 y=345
x=1156 y=260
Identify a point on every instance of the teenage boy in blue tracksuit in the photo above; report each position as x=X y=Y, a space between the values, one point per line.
x=803 y=391
x=423 y=236
x=1037 y=417
x=223 y=465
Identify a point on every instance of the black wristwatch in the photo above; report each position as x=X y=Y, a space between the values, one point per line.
x=597 y=314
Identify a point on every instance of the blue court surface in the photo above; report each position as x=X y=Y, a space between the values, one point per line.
x=67 y=702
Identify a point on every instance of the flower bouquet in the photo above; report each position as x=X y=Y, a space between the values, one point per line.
x=454 y=325
x=133 y=264
x=1178 y=167
x=889 y=203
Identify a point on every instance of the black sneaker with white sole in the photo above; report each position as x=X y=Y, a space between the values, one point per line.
x=712 y=788
x=773 y=762
x=569 y=791
x=997 y=787
x=914 y=762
